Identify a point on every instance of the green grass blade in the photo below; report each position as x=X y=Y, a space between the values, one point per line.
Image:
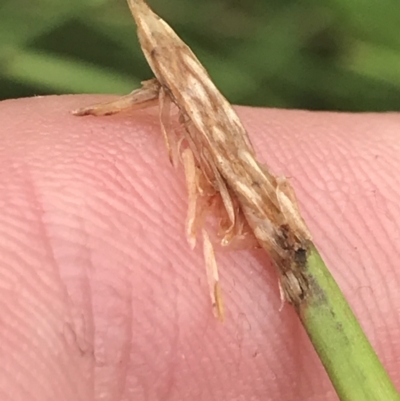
x=351 y=363
x=65 y=74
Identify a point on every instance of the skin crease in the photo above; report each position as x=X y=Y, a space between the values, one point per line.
x=101 y=297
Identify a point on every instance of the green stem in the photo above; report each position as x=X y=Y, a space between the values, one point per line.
x=351 y=363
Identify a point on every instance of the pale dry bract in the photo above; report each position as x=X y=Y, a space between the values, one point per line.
x=221 y=170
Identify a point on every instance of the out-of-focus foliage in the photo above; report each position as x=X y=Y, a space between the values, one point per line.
x=329 y=54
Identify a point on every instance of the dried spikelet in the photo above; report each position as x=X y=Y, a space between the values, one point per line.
x=218 y=157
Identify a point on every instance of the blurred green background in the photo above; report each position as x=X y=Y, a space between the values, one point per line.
x=323 y=55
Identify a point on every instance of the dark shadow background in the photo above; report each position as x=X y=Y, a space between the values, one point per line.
x=321 y=55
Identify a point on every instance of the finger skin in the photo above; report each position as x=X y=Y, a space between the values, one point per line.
x=101 y=297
